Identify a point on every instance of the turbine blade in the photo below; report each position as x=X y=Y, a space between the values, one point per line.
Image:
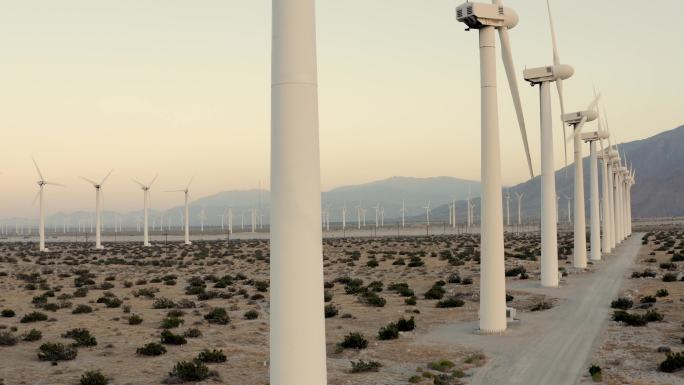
x=152 y=181
x=141 y=185
x=559 y=86
x=578 y=129
x=54 y=184
x=507 y=57
x=40 y=174
x=556 y=59
x=189 y=183
x=35 y=198
x=89 y=181
x=106 y=177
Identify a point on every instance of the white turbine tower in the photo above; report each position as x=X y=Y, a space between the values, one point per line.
x=297 y=322
x=487 y=19
x=594 y=207
x=508 y=207
x=544 y=76
x=520 y=197
x=41 y=189
x=577 y=120
x=403 y=214
x=98 y=208
x=146 y=205
x=377 y=214
x=344 y=216
x=427 y=213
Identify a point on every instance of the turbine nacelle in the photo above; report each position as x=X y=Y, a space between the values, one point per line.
x=548 y=73
x=594 y=136
x=574 y=118
x=480 y=15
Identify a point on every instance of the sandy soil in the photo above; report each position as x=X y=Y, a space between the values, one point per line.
x=243 y=341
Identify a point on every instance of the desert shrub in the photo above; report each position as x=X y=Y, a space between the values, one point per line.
x=147 y=292
x=135 y=319
x=673 y=363
x=645 y=274
x=622 y=303
x=192 y=333
x=261 y=286
x=516 y=271
x=163 y=303
x=56 y=352
x=402 y=289
x=662 y=293
x=169 y=338
x=354 y=341
x=34 y=317
x=211 y=356
x=389 y=332
x=8 y=339
x=33 y=335
x=151 y=349
x=190 y=371
x=653 y=316
x=218 y=315
x=628 y=318
x=595 y=372
x=330 y=311
x=82 y=309
x=8 y=313
x=354 y=286
x=327 y=296
x=435 y=292
x=415 y=261
x=541 y=305
x=372 y=299
x=406 y=325
x=81 y=337
x=411 y=301
x=372 y=263
x=93 y=378
x=81 y=292
x=362 y=366
x=450 y=302
x=454 y=278
x=469 y=281
x=441 y=365
x=171 y=322
x=669 y=277
x=648 y=299
x=251 y=314
x=668 y=266
x=185 y=304
x=110 y=301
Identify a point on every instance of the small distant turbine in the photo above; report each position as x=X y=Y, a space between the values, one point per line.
x=98 y=208
x=146 y=203
x=41 y=186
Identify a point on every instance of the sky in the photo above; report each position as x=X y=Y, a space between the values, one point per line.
x=181 y=88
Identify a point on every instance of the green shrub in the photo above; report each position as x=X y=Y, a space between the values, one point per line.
x=151 y=349
x=541 y=305
x=33 y=335
x=218 y=315
x=93 y=378
x=516 y=271
x=362 y=366
x=190 y=371
x=648 y=299
x=441 y=365
x=622 y=303
x=211 y=356
x=56 y=352
x=372 y=299
x=163 y=303
x=82 y=309
x=411 y=301
x=171 y=322
x=405 y=325
x=354 y=341
x=34 y=317
x=372 y=263
x=251 y=314
x=261 y=286
x=389 y=332
x=435 y=292
x=662 y=293
x=653 y=316
x=8 y=339
x=135 y=319
x=330 y=311
x=629 y=319
x=169 y=338
x=81 y=336
x=450 y=302
x=8 y=313
x=669 y=277
x=192 y=333
x=673 y=363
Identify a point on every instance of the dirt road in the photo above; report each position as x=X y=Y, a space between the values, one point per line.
x=550 y=347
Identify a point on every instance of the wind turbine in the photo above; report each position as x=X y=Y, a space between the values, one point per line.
x=520 y=197
x=508 y=207
x=595 y=221
x=146 y=203
x=98 y=208
x=296 y=269
x=186 y=209
x=453 y=220
x=344 y=216
x=544 y=76
x=577 y=120
x=403 y=214
x=41 y=189
x=427 y=213
x=377 y=213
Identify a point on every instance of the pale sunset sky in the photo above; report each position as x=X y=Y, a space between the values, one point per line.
x=181 y=88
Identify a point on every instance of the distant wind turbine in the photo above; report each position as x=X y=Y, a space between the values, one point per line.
x=146 y=204
x=41 y=186
x=98 y=208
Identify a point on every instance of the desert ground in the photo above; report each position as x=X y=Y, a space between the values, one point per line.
x=401 y=309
